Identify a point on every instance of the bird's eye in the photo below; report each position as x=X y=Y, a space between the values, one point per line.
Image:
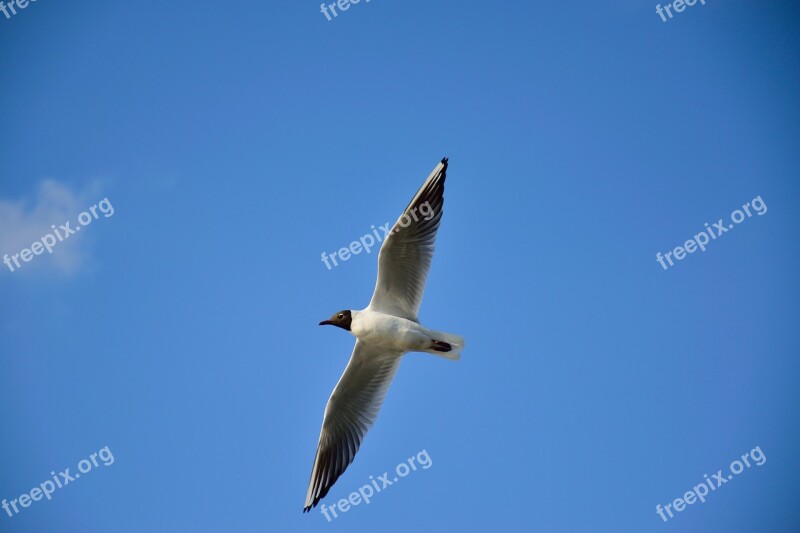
x=341 y=315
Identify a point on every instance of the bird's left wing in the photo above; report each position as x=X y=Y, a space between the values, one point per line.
x=405 y=257
x=351 y=411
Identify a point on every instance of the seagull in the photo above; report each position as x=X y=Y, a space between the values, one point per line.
x=385 y=331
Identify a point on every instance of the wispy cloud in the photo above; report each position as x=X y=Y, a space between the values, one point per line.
x=25 y=221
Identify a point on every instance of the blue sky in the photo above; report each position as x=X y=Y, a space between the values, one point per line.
x=237 y=142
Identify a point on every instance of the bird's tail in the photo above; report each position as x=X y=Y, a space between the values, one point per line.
x=446 y=345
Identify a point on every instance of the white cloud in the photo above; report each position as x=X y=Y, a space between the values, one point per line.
x=25 y=222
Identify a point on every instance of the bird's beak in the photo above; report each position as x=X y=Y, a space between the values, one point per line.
x=325 y=322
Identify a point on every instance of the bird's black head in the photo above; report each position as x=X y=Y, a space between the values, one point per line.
x=342 y=319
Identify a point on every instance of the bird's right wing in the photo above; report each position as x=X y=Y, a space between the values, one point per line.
x=351 y=411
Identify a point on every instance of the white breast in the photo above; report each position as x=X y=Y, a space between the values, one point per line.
x=390 y=331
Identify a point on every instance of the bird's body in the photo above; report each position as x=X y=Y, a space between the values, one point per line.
x=397 y=333
x=389 y=331
x=385 y=331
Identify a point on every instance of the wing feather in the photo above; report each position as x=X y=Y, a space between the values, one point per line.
x=351 y=411
x=405 y=257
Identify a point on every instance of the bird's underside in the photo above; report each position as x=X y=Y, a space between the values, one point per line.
x=403 y=264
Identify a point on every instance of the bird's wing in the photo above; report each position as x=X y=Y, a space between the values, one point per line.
x=405 y=256
x=351 y=411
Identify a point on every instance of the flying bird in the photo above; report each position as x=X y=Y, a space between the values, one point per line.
x=385 y=331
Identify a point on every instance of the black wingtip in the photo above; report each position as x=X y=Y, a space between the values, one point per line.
x=444 y=161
